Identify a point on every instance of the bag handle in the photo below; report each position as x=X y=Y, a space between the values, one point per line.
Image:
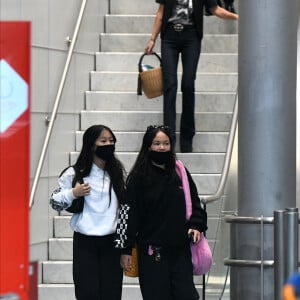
x=142 y=57
x=139 y=84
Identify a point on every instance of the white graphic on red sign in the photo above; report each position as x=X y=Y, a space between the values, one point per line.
x=13 y=95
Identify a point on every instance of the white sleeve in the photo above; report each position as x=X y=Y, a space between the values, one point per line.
x=62 y=197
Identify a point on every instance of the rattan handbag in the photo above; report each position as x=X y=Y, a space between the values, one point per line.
x=134 y=272
x=150 y=78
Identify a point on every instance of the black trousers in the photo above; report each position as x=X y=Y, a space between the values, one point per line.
x=97 y=273
x=187 y=44
x=171 y=278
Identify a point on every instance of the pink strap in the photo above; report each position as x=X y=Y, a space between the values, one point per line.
x=180 y=169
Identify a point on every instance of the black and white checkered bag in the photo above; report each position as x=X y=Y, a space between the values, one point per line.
x=121 y=238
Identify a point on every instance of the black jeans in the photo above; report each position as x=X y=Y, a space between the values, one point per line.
x=170 y=278
x=188 y=44
x=97 y=272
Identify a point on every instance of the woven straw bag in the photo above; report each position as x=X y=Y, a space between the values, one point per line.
x=134 y=272
x=150 y=80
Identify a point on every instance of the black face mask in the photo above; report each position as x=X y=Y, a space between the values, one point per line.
x=160 y=157
x=105 y=152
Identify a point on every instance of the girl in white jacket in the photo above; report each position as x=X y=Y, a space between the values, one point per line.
x=98 y=176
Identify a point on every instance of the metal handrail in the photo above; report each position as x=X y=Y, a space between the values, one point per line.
x=249 y=220
x=248 y=262
x=218 y=194
x=56 y=103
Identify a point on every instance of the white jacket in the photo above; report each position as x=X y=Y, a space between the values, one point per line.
x=99 y=216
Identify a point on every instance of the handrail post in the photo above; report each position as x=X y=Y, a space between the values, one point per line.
x=279 y=253
x=203 y=276
x=291 y=240
x=56 y=104
x=262 y=258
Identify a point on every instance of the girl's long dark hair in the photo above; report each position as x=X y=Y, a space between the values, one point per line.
x=113 y=167
x=143 y=166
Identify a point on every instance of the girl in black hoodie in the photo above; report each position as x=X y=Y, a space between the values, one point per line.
x=154 y=218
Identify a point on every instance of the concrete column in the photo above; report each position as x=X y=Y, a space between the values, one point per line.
x=267 y=135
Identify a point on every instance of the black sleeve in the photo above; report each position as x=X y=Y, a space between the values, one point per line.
x=128 y=219
x=210 y=3
x=198 y=219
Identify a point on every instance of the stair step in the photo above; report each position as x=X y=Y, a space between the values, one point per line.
x=204 y=142
x=56 y=291
x=61 y=249
x=63 y=230
x=121 y=42
x=144 y=23
x=127 y=101
x=207 y=184
x=128 y=62
x=129 y=292
x=57 y=272
x=139 y=121
x=132 y=7
x=127 y=81
x=203 y=166
x=60 y=272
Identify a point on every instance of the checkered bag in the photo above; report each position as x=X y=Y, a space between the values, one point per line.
x=121 y=236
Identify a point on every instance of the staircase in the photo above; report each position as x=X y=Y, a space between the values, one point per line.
x=112 y=100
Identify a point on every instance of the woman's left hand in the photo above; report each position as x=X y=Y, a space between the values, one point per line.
x=149 y=47
x=126 y=262
x=195 y=235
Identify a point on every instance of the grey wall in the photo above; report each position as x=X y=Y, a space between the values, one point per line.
x=51 y=22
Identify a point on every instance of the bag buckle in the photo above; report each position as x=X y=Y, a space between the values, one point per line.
x=155 y=251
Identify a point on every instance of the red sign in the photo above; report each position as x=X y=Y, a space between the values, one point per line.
x=14 y=157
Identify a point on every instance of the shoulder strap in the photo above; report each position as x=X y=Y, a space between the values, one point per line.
x=180 y=169
x=77 y=177
x=64 y=170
